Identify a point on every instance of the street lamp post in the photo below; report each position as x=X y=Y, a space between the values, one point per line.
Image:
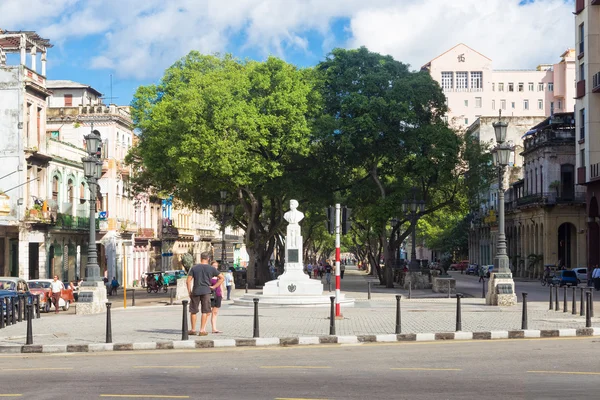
x=226 y=210
x=501 y=283
x=413 y=208
x=92 y=168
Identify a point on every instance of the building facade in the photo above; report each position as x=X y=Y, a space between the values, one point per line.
x=587 y=115
x=474 y=89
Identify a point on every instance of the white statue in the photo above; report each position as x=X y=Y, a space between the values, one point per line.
x=293 y=233
x=293 y=216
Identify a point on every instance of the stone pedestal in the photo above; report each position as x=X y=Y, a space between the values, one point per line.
x=417 y=281
x=501 y=290
x=441 y=284
x=92 y=298
x=293 y=283
x=182 y=291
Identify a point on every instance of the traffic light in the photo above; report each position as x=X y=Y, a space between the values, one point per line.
x=330 y=223
x=346 y=218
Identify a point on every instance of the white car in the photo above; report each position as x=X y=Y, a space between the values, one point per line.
x=582 y=275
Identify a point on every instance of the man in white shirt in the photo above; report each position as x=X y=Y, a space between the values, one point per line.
x=55 y=287
x=596 y=278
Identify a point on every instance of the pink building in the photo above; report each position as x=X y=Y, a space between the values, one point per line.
x=474 y=89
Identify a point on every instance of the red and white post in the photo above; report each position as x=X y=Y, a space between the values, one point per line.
x=338 y=312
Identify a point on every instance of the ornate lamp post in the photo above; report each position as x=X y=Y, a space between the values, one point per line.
x=92 y=169
x=226 y=210
x=413 y=208
x=501 y=283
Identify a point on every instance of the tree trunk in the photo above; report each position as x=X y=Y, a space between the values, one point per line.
x=389 y=258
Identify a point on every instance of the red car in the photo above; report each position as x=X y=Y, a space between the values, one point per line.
x=42 y=287
x=460 y=266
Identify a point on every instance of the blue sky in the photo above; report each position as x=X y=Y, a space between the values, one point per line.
x=135 y=40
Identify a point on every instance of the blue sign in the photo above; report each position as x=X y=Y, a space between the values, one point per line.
x=102 y=215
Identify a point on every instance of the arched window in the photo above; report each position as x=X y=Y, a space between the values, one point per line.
x=70 y=191
x=81 y=193
x=55 y=186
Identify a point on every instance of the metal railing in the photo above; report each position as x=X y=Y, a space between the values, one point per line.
x=549 y=198
x=67 y=221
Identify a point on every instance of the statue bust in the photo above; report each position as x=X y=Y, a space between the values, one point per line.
x=293 y=216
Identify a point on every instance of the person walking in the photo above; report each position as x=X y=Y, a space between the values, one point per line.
x=481 y=273
x=328 y=273
x=55 y=287
x=114 y=284
x=596 y=277
x=309 y=269
x=216 y=302
x=199 y=287
x=342 y=270
x=229 y=282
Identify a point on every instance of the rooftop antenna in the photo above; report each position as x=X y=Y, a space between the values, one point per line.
x=110 y=99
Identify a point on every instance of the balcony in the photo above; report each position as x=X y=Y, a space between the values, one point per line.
x=581 y=176
x=551 y=198
x=69 y=222
x=145 y=233
x=579 y=6
x=596 y=81
x=580 y=89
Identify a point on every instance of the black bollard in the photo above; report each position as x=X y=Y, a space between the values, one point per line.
x=564 y=299
x=133 y=298
x=368 y=290
x=184 y=324
x=246 y=287
x=592 y=303
x=581 y=303
x=556 y=301
x=9 y=308
x=483 y=289
x=588 y=315
x=14 y=306
x=108 y=324
x=398 y=315
x=29 y=328
x=574 y=302
x=551 y=299
x=458 y=313
x=332 y=317
x=171 y=296
x=20 y=308
x=256 y=332
x=37 y=306
x=2 y=303
x=524 y=315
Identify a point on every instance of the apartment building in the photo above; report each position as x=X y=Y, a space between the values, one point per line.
x=474 y=89
x=587 y=114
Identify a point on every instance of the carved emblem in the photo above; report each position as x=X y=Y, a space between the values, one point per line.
x=291 y=288
x=461 y=57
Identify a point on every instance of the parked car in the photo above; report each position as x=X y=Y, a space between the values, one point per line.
x=565 y=277
x=42 y=287
x=460 y=266
x=582 y=274
x=170 y=277
x=471 y=269
x=11 y=287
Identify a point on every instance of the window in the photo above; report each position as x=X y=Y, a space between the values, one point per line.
x=466 y=121
x=521 y=87
x=581 y=71
x=551 y=107
x=531 y=86
x=541 y=87
x=551 y=86
x=503 y=104
x=70 y=191
x=55 y=188
x=476 y=80
x=477 y=102
x=68 y=100
x=493 y=104
x=525 y=104
x=581 y=36
x=511 y=87
x=512 y=105
x=462 y=81
x=540 y=104
x=582 y=124
x=559 y=105
x=582 y=158
x=493 y=87
x=501 y=87
x=466 y=103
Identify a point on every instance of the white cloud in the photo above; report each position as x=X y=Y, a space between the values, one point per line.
x=142 y=37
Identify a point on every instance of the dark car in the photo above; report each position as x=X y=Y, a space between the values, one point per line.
x=564 y=277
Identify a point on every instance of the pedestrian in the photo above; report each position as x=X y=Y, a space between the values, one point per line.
x=55 y=287
x=229 y=282
x=596 y=277
x=481 y=274
x=199 y=288
x=309 y=269
x=114 y=284
x=342 y=270
x=216 y=300
x=328 y=273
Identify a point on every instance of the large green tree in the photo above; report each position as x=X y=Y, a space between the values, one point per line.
x=382 y=134
x=217 y=123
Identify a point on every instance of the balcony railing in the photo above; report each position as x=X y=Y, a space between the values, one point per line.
x=580 y=89
x=66 y=221
x=550 y=198
x=145 y=233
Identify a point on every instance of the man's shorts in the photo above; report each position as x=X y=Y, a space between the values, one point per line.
x=203 y=301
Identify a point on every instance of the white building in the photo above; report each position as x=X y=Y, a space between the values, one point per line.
x=474 y=89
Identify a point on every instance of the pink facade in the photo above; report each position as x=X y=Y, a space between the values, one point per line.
x=474 y=89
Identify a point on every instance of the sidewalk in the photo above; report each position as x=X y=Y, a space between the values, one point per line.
x=162 y=323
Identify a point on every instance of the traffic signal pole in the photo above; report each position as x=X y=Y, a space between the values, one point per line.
x=338 y=313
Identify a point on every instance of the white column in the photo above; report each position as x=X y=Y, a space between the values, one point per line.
x=34 y=58
x=23 y=48
x=44 y=63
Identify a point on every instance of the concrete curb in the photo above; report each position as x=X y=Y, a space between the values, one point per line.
x=299 y=341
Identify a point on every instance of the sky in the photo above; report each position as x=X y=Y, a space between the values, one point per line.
x=132 y=42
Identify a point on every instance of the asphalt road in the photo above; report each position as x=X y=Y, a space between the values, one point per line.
x=515 y=369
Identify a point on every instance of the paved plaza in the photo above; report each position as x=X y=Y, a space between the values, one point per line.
x=420 y=314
